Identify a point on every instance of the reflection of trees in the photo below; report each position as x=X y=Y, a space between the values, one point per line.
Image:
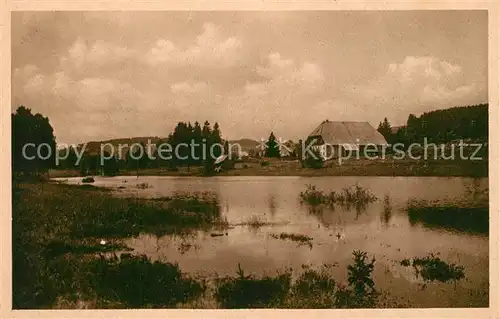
x=478 y=194
x=386 y=214
x=272 y=205
x=463 y=219
x=358 y=207
x=329 y=215
x=323 y=214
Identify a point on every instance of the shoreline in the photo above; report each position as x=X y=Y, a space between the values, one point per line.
x=435 y=168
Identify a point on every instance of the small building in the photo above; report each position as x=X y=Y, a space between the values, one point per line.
x=334 y=138
x=287 y=149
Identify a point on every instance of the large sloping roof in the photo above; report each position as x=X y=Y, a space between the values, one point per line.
x=337 y=133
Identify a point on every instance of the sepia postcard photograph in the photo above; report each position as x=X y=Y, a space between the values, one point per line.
x=305 y=159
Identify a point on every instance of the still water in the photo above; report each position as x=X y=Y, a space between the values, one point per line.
x=383 y=230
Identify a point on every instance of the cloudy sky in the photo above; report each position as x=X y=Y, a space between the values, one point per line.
x=101 y=75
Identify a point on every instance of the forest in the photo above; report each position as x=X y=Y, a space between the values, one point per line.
x=441 y=126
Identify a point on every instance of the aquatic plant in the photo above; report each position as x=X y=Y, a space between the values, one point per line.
x=301 y=239
x=255 y=222
x=356 y=196
x=313 y=196
x=432 y=268
x=89 y=179
x=143 y=186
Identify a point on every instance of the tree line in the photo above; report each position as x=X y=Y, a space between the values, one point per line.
x=202 y=139
x=440 y=126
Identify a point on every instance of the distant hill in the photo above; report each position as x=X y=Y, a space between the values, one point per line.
x=246 y=144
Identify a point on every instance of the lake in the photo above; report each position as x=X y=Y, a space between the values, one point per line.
x=384 y=230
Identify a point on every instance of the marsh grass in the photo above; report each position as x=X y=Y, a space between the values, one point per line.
x=143 y=186
x=136 y=281
x=114 y=217
x=299 y=238
x=57 y=228
x=58 y=247
x=255 y=222
x=350 y=197
x=432 y=268
x=314 y=288
x=248 y=291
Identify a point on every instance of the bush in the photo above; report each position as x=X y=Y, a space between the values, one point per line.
x=361 y=291
x=432 y=268
x=88 y=180
x=137 y=282
x=246 y=291
x=313 y=161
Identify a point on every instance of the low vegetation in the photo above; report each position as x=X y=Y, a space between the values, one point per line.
x=349 y=196
x=56 y=229
x=137 y=282
x=432 y=268
x=313 y=289
x=302 y=239
x=255 y=222
x=143 y=186
x=88 y=180
x=247 y=291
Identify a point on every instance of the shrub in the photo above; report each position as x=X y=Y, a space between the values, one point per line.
x=314 y=160
x=361 y=291
x=264 y=163
x=143 y=186
x=137 y=282
x=88 y=180
x=432 y=268
x=247 y=291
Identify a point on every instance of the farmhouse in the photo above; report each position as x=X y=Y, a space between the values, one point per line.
x=334 y=138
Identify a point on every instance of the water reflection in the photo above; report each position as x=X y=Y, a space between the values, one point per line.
x=272 y=205
x=462 y=219
x=387 y=211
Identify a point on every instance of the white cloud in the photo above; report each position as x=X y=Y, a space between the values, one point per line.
x=187 y=87
x=210 y=48
x=286 y=74
x=99 y=53
x=417 y=84
x=35 y=83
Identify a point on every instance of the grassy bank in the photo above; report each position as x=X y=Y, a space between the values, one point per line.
x=352 y=167
x=58 y=230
